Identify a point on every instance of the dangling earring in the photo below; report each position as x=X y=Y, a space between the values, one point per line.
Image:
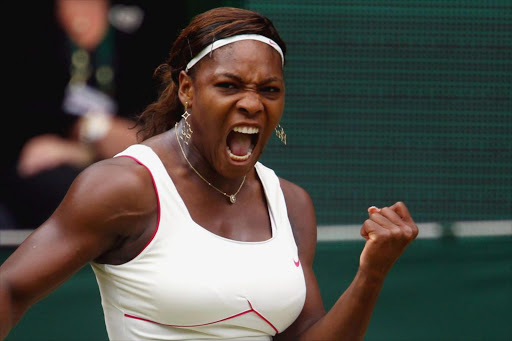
x=186 y=131
x=281 y=135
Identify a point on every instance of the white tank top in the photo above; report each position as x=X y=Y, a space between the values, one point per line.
x=191 y=284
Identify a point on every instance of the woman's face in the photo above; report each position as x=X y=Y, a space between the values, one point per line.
x=235 y=100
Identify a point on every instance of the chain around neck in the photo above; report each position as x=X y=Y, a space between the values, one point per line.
x=231 y=197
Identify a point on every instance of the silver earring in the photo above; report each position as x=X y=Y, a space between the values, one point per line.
x=281 y=135
x=186 y=132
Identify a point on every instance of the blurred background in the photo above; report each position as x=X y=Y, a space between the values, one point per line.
x=386 y=100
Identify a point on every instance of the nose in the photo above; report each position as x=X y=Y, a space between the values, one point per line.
x=250 y=103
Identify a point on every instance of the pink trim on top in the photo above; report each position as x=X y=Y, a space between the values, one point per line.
x=157 y=199
x=262 y=317
x=209 y=323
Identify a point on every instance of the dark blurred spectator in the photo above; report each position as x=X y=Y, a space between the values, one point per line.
x=82 y=71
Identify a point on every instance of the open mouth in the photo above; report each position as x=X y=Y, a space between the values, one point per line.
x=241 y=141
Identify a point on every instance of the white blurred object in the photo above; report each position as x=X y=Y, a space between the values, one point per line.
x=81 y=99
x=126 y=18
x=94 y=126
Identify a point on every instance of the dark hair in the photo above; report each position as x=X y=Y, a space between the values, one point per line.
x=205 y=28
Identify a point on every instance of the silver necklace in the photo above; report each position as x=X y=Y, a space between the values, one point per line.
x=232 y=197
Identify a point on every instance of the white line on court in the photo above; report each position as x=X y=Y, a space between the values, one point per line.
x=328 y=233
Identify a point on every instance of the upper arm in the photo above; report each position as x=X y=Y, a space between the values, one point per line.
x=302 y=217
x=93 y=215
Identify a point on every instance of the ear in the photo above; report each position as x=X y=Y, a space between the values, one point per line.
x=186 y=88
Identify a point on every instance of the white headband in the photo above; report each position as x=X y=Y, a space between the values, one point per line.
x=221 y=42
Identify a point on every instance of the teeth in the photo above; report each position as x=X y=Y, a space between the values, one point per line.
x=237 y=157
x=246 y=130
x=242 y=130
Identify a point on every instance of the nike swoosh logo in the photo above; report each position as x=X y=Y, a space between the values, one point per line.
x=297 y=263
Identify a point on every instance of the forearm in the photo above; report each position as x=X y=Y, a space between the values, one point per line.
x=348 y=319
x=5 y=314
x=8 y=316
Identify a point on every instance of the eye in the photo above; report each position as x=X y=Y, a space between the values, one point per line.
x=270 y=89
x=226 y=85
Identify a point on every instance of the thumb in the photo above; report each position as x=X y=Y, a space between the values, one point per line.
x=372 y=210
x=364 y=231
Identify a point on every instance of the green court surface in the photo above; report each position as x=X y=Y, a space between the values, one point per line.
x=441 y=289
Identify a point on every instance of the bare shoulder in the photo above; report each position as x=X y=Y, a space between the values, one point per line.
x=295 y=194
x=110 y=194
x=111 y=176
x=301 y=213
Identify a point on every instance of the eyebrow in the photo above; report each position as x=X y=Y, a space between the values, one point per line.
x=240 y=80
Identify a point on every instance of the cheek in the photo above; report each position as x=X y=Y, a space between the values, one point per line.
x=207 y=127
x=211 y=107
x=206 y=115
x=276 y=113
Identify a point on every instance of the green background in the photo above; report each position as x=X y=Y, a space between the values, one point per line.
x=397 y=100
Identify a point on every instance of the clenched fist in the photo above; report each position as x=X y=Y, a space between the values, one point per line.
x=388 y=231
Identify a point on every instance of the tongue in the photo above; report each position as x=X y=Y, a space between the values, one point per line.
x=239 y=144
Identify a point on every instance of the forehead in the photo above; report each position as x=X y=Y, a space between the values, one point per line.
x=246 y=56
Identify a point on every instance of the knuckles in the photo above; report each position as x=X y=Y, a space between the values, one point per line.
x=398 y=227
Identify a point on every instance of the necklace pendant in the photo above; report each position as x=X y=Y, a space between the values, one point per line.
x=232 y=198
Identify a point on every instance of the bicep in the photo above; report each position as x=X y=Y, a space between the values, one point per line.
x=48 y=257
